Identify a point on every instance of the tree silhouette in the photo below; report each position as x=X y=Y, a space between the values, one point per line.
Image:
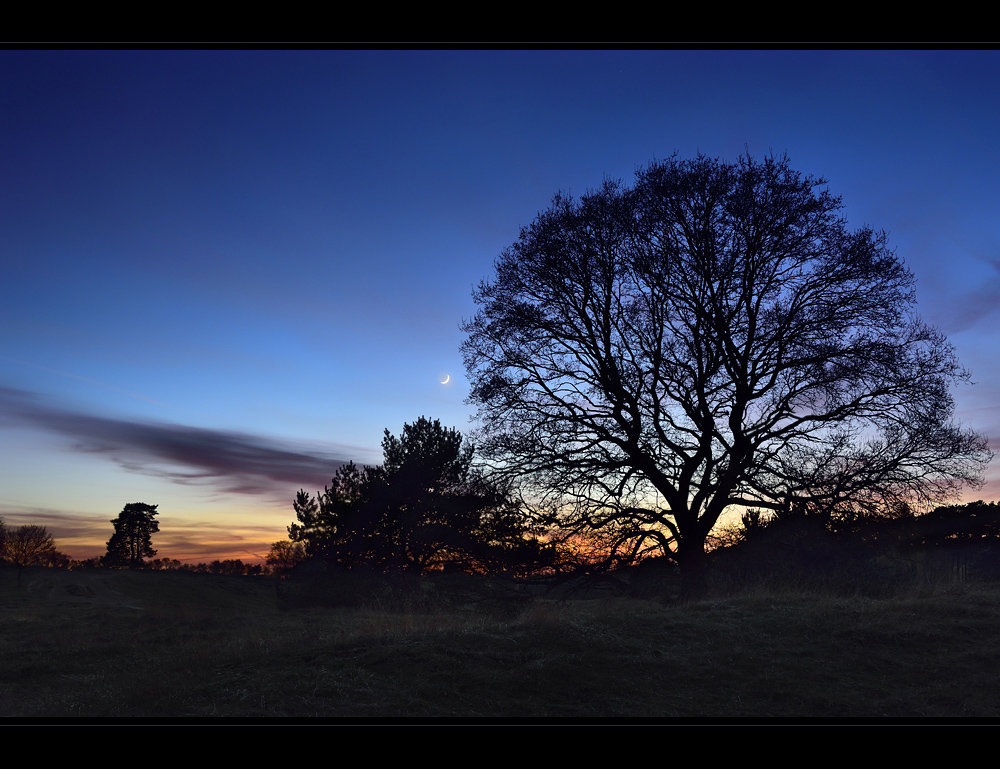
x=131 y=542
x=331 y=524
x=422 y=494
x=26 y=546
x=712 y=336
x=284 y=556
x=423 y=508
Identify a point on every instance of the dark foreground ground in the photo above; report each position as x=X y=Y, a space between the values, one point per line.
x=154 y=645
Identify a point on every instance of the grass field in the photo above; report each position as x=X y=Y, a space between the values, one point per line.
x=153 y=645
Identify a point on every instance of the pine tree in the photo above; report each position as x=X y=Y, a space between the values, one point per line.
x=131 y=541
x=424 y=508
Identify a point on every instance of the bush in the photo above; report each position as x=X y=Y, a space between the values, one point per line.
x=653 y=578
x=799 y=553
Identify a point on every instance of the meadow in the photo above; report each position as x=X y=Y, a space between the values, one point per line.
x=106 y=644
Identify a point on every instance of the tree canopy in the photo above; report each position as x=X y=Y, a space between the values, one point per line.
x=132 y=540
x=285 y=556
x=25 y=546
x=712 y=336
x=424 y=508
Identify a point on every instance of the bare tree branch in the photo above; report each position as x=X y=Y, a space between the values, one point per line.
x=714 y=336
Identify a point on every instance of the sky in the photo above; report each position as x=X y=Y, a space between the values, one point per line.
x=225 y=273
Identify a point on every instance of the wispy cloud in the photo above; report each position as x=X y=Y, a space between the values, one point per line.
x=233 y=462
x=975 y=305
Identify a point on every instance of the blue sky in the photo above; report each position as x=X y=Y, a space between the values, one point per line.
x=222 y=273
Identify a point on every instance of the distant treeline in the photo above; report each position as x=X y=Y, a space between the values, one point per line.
x=946 y=526
x=954 y=542
x=964 y=537
x=229 y=566
x=31 y=545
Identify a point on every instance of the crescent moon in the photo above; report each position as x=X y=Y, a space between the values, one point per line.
x=447 y=378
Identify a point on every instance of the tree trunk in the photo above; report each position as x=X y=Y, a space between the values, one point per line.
x=694 y=569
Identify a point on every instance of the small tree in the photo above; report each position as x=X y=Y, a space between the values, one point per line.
x=331 y=525
x=285 y=556
x=27 y=546
x=424 y=508
x=131 y=542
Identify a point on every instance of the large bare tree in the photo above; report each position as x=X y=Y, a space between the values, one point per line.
x=712 y=336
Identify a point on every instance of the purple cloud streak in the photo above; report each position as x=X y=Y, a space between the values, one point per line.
x=235 y=462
